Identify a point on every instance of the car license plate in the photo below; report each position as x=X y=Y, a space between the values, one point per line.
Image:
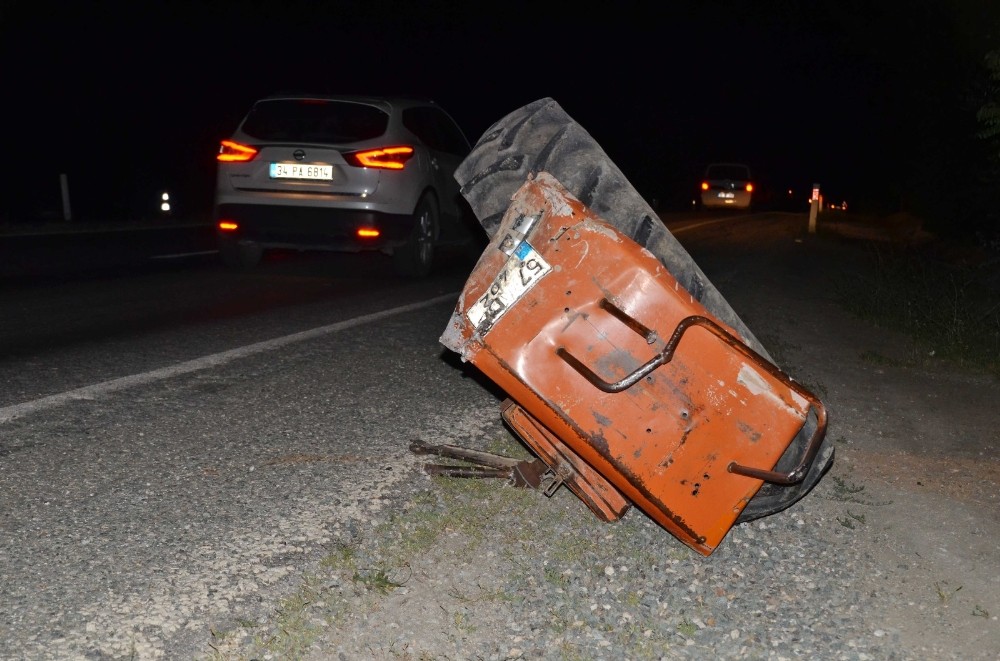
x=301 y=171
x=523 y=269
x=727 y=196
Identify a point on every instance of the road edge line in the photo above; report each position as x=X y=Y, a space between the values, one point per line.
x=13 y=411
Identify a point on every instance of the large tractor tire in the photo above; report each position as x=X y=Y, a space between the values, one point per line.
x=542 y=137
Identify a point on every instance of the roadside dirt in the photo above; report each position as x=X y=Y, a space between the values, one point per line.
x=916 y=464
x=893 y=556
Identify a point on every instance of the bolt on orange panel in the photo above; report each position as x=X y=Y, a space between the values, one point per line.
x=591 y=335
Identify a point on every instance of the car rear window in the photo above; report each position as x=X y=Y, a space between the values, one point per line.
x=730 y=172
x=307 y=120
x=436 y=130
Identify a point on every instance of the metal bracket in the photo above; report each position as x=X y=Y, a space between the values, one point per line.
x=519 y=472
x=554 y=483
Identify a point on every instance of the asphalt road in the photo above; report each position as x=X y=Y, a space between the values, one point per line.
x=149 y=414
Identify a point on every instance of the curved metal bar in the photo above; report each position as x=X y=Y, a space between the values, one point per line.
x=661 y=358
x=607 y=386
x=794 y=476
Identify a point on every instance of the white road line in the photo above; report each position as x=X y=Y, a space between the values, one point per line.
x=181 y=255
x=8 y=413
x=713 y=222
x=728 y=218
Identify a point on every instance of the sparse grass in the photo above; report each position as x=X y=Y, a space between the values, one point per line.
x=947 y=310
x=219 y=639
x=555 y=577
x=945 y=592
x=460 y=509
x=342 y=557
x=877 y=359
x=979 y=611
x=222 y=640
x=457 y=521
x=573 y=652
x=482 y=594
x=467 y=504
x=687 y=628
x=294 y=630
x=506 y=445
x=377 y=580
x=848 y=521
x=462 y=622
x=850 y=493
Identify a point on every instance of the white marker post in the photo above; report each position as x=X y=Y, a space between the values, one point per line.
x=64 y=186
x=813 y=208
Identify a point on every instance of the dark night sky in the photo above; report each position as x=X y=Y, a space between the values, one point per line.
x=132 y=96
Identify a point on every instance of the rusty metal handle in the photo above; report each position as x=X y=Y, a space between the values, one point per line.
x=793 y=476
x=478 y=472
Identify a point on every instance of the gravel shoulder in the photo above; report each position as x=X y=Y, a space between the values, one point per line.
x=892 y=556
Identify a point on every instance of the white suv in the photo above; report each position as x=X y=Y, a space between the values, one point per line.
x=342 y=173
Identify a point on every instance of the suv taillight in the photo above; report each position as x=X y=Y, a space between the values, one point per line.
x=387 y=158
x=234 y=152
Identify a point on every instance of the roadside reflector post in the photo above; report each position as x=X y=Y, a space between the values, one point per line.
x=64 y=187
x=813 y=208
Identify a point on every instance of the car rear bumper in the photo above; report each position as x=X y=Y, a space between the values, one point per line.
x=313 y=228
x=739 y=199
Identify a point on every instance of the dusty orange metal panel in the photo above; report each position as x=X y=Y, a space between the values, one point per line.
x=594 y=338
